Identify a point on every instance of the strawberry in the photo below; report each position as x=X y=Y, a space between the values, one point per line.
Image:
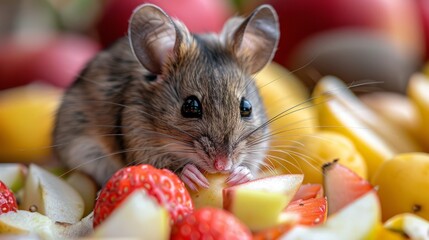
x=7 y=199
x=161 y=184
x=309 y=212
x=342 y=186
x=210 y=223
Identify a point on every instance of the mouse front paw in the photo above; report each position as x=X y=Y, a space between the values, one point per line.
x=193 y=178
x=240 y=174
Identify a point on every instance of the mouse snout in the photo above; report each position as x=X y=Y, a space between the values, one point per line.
x=222 y=164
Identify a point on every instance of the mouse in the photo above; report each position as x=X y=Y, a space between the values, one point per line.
x=170 y=98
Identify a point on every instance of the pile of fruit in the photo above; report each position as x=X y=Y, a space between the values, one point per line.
x=341 y=165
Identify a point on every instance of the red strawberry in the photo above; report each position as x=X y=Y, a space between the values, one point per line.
x=308 y=212
x=309 y=190
x=161 y=184
x=7 y=199
x=210 y=223
x=342 y=186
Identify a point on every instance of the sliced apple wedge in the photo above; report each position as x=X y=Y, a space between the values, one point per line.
x=33 y=223
x=212 y=196
x=52 y=196
x=359 y=220
x=409 y=224
x=13 y=175
x=139 y=217
x=258 y=203
x=86 y=187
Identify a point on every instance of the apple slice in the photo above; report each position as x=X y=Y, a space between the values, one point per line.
x=359 y=220
x=86 y=187
x=139 y=216
x=13 y=175
x=52 y=196
x=33 y=223
x=409 y=224
x=258 y=203
x=342 y=186
x=308 y=191
x=212 y=196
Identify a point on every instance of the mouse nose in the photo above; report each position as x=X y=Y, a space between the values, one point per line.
x=222 y=164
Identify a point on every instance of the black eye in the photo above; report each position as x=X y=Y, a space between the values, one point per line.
x=192 y=108
x=151 y=77
x=245 y=108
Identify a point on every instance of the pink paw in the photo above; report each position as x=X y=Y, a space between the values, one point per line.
x=193 y=178
x=241 y=174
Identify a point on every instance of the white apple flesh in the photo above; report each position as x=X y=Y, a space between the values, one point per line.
x=13 y=175
x=138 y=217
x=52 y=196
x=258 y=203
x=86 y=187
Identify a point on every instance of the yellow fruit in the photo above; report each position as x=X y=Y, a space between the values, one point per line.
x=403 y=184
x=418 y=88
x=212 y=196
x=310 y=152
x=286 y=100
x=26 y=121
x=410 y=225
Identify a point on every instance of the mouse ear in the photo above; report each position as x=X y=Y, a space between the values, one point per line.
x=254 y=40
x=153 y=36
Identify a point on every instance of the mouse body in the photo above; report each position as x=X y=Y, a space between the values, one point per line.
x=166 y=97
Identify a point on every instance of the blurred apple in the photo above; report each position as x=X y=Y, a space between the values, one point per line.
x=53 y=59
x=417 y=91
x=26 y=120
x=379 y=40
x=198 y=15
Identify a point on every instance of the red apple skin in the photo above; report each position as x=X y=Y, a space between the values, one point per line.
x=198 y=15
x=56 y=60
x=423 y=7
x=303 y=19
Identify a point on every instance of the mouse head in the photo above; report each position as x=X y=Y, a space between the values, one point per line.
x=198 y=100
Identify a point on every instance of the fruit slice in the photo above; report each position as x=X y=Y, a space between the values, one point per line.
x=7 y=200
x=359 y=220
x=161 y=184
x=304 y=212
x=52 y=196
x=138 y=216
x=418 y=88
x=409 y=224
x=342 y=186
x=307 y=191
x=33 y=223
x=402 y=185
x=212 y=196
x=86 y=187
x=258 y=203
x=210 y=223
x=13 y=175
x=310 y=152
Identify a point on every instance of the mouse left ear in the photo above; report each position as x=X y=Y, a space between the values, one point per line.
x=254 y=40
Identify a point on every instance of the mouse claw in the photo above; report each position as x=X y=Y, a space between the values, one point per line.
x=241 y=174
x=193 y=178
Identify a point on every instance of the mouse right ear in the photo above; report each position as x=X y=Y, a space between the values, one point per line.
x=153 y=36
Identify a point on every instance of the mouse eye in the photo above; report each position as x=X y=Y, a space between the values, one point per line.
x=192 y=108
x=245 y=108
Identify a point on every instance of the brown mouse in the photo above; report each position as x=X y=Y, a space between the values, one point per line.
x=173 y=99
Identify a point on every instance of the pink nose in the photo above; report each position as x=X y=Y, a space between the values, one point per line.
x=221 y=164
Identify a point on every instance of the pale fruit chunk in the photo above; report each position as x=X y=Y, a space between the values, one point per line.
x=52 y=196
x=33 y=223
x=288 y=107
x=396 y=137
x=212 y=196
x=26 y=121
x=359 y=220
x=13 y=175
x=139 y=217
x=258 y=203
x=413 y=226
x=402 y=185
x=86 y=187
x=418 y=89
x=395 y=108
x=312 y=151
